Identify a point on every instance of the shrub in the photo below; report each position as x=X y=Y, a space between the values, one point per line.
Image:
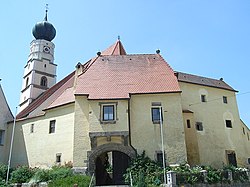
x=22 y=174
x=213 y=175
x=80 y=180
x=3 y=171
x=41 y=175
x=143 y=167
x=60 y=172
x=56 y=172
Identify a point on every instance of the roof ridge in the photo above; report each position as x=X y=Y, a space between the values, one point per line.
x=199 y=76
x=206 y=81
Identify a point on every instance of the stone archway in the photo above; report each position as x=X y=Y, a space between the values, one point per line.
x=117 y=149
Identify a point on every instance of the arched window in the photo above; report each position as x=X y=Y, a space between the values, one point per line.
x=27 y=82
x=43 y=81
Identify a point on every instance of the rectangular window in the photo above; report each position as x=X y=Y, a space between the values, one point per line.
x=229 y=124
x=199 y=126
x=231 y=158
x=108 y=113
x=243 y=130
x=58 y=158
x=2 y=132
x=52 y=126
x=159 y=158
x=156 y=117
x=225 y=99
x=188 y=123
x=31 y=128
x=203 y=98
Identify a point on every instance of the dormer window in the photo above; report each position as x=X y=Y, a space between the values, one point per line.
x=43 y=81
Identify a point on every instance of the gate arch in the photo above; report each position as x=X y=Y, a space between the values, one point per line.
x=129 y=151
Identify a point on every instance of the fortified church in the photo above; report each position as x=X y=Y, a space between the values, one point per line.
x=112 y=107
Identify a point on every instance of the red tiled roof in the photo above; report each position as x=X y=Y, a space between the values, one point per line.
x=115 y=49
x=42 y=102
x=113 y=77
x=66 y=97
x=194 y=79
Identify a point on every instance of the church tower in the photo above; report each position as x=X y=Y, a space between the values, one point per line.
x=40 y=70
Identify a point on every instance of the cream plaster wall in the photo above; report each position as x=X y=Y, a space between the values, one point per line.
x=121 y=123
x=39 y=149
x=88 y=119
x=215 y=138
x=191 y=141
x=146 y=136
x=81 y=132
x=5 y=116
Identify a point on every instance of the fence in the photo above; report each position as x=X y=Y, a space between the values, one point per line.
x=203 y=178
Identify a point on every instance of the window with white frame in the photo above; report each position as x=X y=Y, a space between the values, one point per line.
x=52 y=126
x=2 y=133
x=108 y=112
x=229 y=124
x=156 y=112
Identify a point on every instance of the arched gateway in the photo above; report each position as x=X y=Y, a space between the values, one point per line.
x=114 y=155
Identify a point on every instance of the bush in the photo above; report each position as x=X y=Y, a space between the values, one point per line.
x=60 y=172
x=22 y=174
x=3 y=171
x=80 y=180
x=213 y=175
x=41 y=175
x=56 y=172
x=143 y=167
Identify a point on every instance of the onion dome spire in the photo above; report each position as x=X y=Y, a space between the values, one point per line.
x=44 y=30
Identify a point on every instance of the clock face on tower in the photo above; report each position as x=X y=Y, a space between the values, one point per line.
x=46 y=49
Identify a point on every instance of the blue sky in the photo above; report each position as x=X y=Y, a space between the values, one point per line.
x=209 y=37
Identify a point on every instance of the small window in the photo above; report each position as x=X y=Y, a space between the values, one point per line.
x=188 y=124
x=43 y=81
x=231 y=158
x=248 y=160
x=229 y=124
x=108 y=113
x=159 y=158
x=203 y=98
x=199 y=126
x=156 y=115
x=27 y=82
x=52 y=126
x=2 y=132
x=58 y=158
x=225 y=99
x=243 y=130
x=31 y=128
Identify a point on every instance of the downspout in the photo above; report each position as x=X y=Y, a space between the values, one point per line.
x=129 y=125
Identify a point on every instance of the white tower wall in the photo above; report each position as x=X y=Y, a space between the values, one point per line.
x=39 y=72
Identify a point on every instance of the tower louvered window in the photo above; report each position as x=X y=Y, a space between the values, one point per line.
x=43 y=81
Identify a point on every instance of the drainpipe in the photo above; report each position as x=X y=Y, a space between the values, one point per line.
x=11 y=145
x=129 y=124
